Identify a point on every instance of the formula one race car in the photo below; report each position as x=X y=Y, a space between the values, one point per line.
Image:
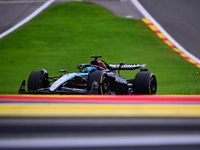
x=97 y=77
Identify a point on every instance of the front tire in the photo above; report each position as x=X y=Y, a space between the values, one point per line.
x=98 y=83
x=145 y=83
x=36 y=80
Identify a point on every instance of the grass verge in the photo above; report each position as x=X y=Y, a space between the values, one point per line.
x=68 y=34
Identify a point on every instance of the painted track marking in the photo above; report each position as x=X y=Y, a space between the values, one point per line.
x=27 y=19
x=77 y=142
x=187 y=99
x=155 y=26
x=110 y=105
x=165 y=39
x=99 y=110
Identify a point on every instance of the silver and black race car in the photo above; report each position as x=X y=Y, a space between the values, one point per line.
x=97 y=77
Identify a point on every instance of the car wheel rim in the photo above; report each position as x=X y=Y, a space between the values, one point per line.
x=153 y=85
x=106 y=86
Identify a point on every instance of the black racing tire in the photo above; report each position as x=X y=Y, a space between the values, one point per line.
x=34 y=80
x=100 y=80
x=145 y=83
x=37 y=80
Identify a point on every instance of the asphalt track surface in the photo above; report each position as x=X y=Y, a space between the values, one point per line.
x=180 y=18
x=12 y=12
x=93 y=124
x=100 y=133
x=121 y=8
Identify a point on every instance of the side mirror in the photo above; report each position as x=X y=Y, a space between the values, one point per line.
x=63 y=71
x=79 y=67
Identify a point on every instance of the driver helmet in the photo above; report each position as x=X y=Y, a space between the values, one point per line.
x=90 y=69
x=98 y=63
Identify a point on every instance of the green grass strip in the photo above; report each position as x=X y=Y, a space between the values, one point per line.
x=67 y=34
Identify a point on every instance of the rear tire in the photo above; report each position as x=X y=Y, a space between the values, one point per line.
x=98 y=83
x=145 y=83
x=37 y=80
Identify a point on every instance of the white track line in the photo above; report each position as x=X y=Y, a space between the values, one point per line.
x=35 y=13
x=172 y=40
x=69 y=142
x=20 y=1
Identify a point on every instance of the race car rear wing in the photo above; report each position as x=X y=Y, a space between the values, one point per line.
x=122 y=66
